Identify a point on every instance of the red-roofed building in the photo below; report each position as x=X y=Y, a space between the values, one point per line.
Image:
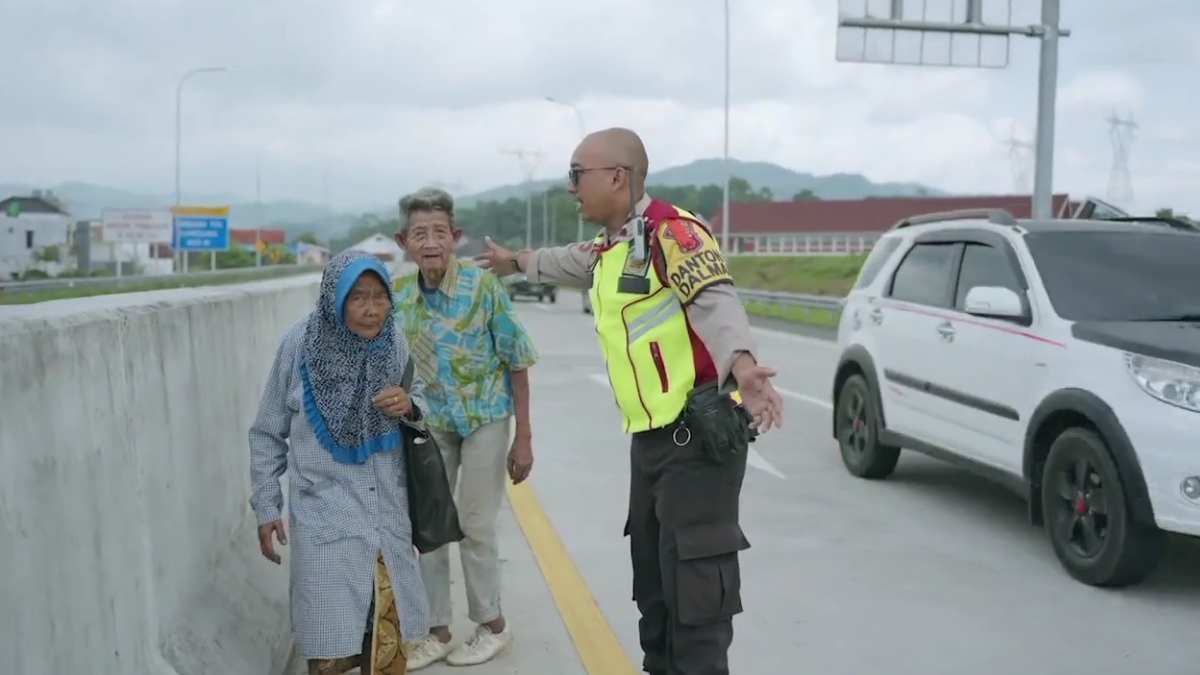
x=847 y=226
x=247 y=238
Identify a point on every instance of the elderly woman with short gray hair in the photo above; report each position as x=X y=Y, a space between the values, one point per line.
x=473 y=356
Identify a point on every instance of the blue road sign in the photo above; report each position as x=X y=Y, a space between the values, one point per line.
x=202 y=233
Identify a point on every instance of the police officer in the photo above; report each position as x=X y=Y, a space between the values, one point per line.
x=680 y=358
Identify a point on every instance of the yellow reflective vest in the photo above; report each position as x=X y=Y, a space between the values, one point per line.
x=651 y=354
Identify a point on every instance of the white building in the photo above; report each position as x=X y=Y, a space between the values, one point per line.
x=135 y=258
x=311 y=254
x=31 y=230
x=381 y=246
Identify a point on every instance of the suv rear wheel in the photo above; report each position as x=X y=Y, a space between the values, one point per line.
x=1087 y=516
x=857 y=429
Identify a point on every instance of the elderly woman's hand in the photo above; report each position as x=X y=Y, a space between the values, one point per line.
x=393 y=402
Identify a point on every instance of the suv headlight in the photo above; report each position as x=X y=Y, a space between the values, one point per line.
x=1167 y=381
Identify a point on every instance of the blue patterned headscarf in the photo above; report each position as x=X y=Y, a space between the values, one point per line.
x=342 y=371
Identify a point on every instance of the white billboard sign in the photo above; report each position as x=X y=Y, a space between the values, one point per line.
x=140 y=226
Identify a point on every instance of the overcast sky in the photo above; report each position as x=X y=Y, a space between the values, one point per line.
x=360 y=101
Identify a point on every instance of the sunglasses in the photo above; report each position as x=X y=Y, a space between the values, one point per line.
x=573 y=172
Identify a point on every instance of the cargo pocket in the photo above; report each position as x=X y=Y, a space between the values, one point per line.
x=708 y=583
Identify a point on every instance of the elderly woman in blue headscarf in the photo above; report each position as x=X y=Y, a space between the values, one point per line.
x=332 y=414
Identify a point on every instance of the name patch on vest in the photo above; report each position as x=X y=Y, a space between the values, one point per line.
x=691 y=257
x=699 y=271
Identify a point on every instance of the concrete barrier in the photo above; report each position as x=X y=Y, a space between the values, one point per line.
x=126 y=542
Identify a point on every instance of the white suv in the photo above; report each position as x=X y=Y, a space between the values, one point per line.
x=1061 y=358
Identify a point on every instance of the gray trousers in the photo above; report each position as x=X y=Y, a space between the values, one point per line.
x=684 y=540
x=476 y=466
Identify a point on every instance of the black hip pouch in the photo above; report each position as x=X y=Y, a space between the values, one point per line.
x=716 y=425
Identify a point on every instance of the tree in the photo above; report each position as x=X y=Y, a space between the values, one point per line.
x=309 y=238
x=805 y=195
x=235 y=257
x=49 y=254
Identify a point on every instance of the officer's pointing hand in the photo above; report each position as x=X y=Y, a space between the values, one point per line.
x=497 y=258
x=758 y=394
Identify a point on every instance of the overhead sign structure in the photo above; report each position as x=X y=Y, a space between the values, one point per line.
x=202 y=228
x=137 y=226
x=972 y=33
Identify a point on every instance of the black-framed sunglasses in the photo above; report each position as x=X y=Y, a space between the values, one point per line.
x=573 y=172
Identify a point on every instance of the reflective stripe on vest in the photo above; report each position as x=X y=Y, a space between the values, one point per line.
x=645 y=342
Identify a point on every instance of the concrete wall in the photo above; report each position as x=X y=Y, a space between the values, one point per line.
x=126 y=542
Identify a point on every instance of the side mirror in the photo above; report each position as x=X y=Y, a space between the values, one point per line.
x=994 y=301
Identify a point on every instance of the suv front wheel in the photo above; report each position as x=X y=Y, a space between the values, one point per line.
x=1087 y=516
x=857 y=427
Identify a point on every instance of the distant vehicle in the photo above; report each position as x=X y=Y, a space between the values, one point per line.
x=1060 y=358
x=518 y=285
x=1092 y=208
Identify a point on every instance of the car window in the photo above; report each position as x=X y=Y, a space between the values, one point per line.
x=984 y=265
x=880 y=254
x=926 y=274
x=1119 y=276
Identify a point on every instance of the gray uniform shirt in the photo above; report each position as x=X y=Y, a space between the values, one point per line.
x=341 y=517
x=716 y=313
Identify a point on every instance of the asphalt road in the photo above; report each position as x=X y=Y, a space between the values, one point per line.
x=931 y=571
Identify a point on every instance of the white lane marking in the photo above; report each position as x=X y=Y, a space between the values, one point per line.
x=803 y=397
x=754 y=459
x=759 y=462
x=816 y=342
x=544 y=308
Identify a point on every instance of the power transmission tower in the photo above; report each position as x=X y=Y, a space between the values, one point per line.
x=1120 y=181
x=529 y=160
x=1019 y=152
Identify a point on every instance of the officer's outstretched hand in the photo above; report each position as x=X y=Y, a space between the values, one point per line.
x=497 y=259
x=758 y=394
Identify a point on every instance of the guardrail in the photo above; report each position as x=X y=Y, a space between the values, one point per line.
x=806 y=303
x=268 y=271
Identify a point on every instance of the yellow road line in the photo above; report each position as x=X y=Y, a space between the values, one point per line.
x=597 y=644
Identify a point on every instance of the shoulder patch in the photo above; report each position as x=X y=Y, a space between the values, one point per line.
x=683 y=232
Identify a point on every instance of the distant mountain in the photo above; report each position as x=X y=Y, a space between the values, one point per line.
x=782 y=181
x=86 y=201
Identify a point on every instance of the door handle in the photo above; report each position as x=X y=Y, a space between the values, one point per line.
x=946 y=330
x=876 y=316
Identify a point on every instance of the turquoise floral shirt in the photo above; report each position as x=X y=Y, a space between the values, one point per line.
x=465 y=339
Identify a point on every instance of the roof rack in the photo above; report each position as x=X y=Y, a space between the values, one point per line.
x=996 y=216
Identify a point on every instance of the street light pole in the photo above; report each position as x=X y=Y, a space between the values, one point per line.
x=178 y=142
x=725 y=197
x=1043 y=172
x=582 y=133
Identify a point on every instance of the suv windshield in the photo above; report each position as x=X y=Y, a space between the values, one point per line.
x=1120 y=276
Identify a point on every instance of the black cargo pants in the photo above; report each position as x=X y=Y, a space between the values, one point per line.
x=684 y=541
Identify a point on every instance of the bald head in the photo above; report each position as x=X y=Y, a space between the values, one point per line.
x=618 y=147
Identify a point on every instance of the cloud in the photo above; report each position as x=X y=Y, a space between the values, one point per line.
x=365 y=100
x=1103 y=90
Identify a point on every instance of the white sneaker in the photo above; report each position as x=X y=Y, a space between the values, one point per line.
x=481 y=648
x=426 y=651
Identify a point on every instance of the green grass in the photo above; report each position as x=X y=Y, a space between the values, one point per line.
x=808 y=275
x=156 y=283
x=811 y=275
x=813 y=317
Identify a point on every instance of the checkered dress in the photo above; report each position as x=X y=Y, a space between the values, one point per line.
x=341 y=517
